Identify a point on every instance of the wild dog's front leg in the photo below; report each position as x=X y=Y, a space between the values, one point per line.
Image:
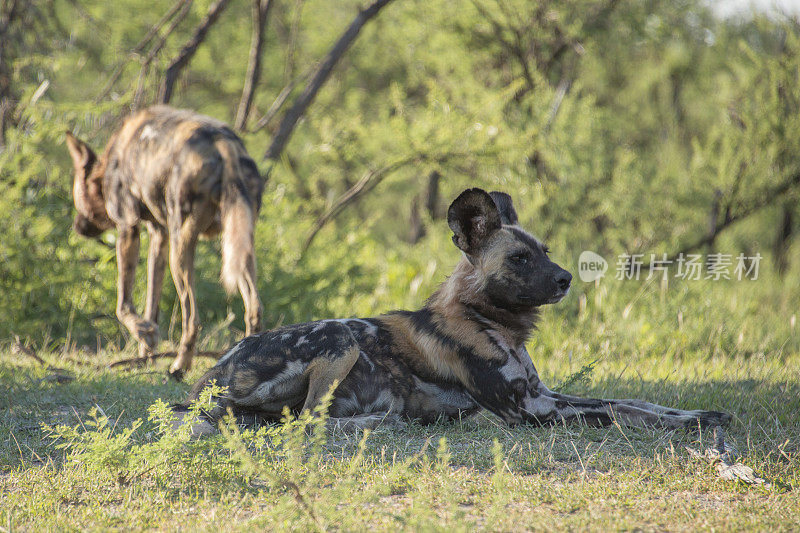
x=145 y=331
x=515 y=393
x=635 y=413
x=550 y=406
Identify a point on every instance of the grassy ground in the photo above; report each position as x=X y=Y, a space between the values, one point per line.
x=539 y=478
x=473 y=474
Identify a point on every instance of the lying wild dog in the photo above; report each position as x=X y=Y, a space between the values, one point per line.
x=462 y=351
x=183 y=175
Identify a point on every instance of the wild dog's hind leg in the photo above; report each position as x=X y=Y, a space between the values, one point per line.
x=365 y=421
x=323 y=372
x=292 y=367
x=156 y=262
x=183 y=235
x=144 y=330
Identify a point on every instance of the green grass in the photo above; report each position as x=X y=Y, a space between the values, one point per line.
x=472 y=474
x=541 y=478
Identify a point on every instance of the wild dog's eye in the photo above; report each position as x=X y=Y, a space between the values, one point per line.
x=518 y=258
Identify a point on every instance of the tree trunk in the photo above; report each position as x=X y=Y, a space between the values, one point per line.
x=417 y=227
x=432 y=199
x=8 y=10
x=261 y=10
x=783 y=240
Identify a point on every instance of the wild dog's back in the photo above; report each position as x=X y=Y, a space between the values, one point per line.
x=162 y=155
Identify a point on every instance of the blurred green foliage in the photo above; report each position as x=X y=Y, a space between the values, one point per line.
x=617 y=126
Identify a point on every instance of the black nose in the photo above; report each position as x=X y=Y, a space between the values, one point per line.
x=563 y=279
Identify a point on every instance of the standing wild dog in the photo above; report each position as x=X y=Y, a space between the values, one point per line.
x=183 y=175
x=462 y=351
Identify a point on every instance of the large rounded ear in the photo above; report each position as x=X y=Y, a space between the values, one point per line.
x=506 y=207
x=82 y=155
x=473 y=217
x=87 y=190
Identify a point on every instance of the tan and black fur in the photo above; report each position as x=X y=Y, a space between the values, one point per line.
x=462 y=351
x=183 y=175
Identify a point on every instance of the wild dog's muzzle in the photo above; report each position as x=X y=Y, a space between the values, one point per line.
x=562 y=280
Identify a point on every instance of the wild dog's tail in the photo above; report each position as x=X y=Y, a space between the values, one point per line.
x=215 y=373
x=238 y=213
x=206 y=422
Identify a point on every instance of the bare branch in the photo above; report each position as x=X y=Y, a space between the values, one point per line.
x=432 y=195
x=171 y=12
x=363 y=186
x=369 y=181
x=139 y=48
x=513 y=48
x=58 y=375
x=291 y=45
x=187 y=52
x=320 y=77
x=155 y=50
x=18 y=347
x=766 y=198
x=261 y=10
x=277 y=104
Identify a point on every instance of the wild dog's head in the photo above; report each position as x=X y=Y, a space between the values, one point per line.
x=87 y=190
x=512 y=268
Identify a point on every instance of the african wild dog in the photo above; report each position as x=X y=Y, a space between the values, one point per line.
x=462 y=351
x=185 y=176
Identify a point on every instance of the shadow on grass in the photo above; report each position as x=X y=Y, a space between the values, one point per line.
x=30 y=399
x=765 y=415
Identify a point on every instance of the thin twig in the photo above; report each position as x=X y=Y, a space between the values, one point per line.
x=139 y=361
x=363 y=186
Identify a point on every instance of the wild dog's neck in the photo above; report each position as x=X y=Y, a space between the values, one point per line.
x=462 y=296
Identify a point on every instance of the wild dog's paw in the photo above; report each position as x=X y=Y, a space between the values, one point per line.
x=147 y=333
x=145 y=350
x=176 y=373
x=181 y=364
x=200 y=427
x=706 y=419
x=365 y=421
